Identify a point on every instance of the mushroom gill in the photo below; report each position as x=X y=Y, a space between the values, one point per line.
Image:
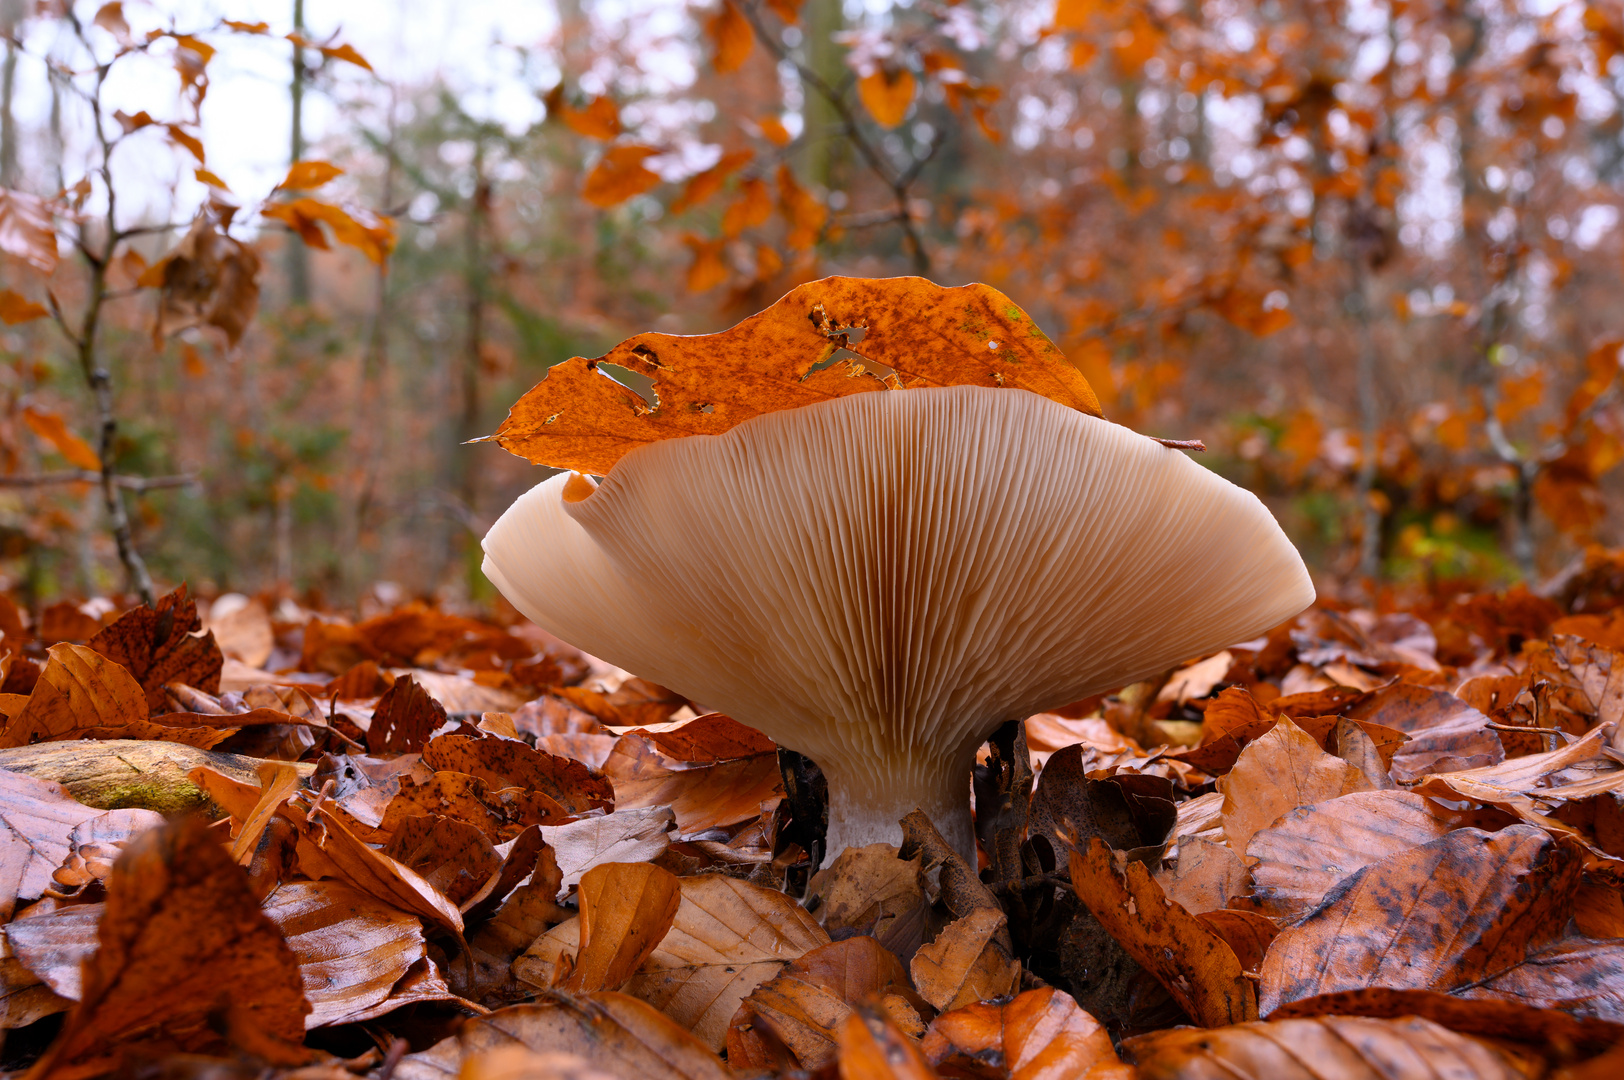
x=880 y=581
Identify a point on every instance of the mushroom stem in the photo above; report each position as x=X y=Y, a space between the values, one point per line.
x=869 y=798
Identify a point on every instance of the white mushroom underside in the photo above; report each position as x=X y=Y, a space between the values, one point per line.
x=880 y=581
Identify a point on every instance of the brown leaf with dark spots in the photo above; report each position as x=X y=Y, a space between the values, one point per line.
x=871 y=1048
x=1321 y=1048
x=1445 y=733
x=181 y=937
x=711 y=737
x=1039 y=1035
x=1308 y=851
x=1577 y=975
x=1495 y=1018
x=505 y=763
x=637 y=702
x=351 y=948
x=1278 y=772
x=1585 y=680
x=404 y=719
x=626 y=910
x=1443 y=916
x=161 y=645
x=1192 y=961
x=578 y=418
x=1127 y=812
x=453 y=856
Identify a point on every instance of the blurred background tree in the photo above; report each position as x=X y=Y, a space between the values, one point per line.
x=1370 y=252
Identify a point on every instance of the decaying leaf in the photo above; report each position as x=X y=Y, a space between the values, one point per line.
x=181 y=935
x=1193 y=962
x=39 y=817
x=162 y=644
x=966 y=962
x=626 y=910
x=1038 y=1035
x=579 y=418
x=208 y=279
x=1279 y=772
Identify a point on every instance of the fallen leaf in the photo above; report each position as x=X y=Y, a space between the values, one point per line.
x=83 y=695
x=162 y=645
x=618 y=1033
x=638 y=835
x=181 y=932
x=1247 y=934
x=966 y=962
x=1193 y=962
x=1577 y=975
x=351 y=949
x=703 y=798
x=454 y=857
x=404 y=718
x=506 y=763
x=871 y=1048
x=1204 y=876
x=727 y=938
x=872 y=890
x=1038 y=1035
x=1443 y=916
x=578 y=418
x=94 y=846
x=1322 y=1048
x=804 y=1007
x=1585 y=682
x=1276 y=773
x=1445 y=733
x=626 y=910
x=1309 y=850
x=39 y=817
x=54 y=945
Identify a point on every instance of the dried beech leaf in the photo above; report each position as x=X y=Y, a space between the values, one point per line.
x=506 y=763
x=626 y=910
x=162 y=644
x=966 y=963
x=1193 y=962
x=54 y=945
x=181 y=935
x=94 y=846
x=1323 y=1048
x=871 y=1048
x=635 y=835
x=1442 y=916
x=727 y=938
x=617 y=1033
x=1039 y=1035
x=1205 y=876
x=1279 y=772
x=38 y=817
x=404 y=718
x=1445 y=732
x=578 y=418
x=1307 y=852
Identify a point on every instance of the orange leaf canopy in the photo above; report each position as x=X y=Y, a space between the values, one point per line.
x=825 y=339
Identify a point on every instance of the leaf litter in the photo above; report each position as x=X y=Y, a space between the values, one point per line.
x=601 y=879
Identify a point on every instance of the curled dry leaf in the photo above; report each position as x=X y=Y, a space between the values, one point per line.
x=181 y=933
x=83 y=695
x=351 y=949
x=1585 y=682
x=1442 y=916
x=1307 y=852
x=1193 y=962
x=580 y=419
x=94 y=845
x=456 y=858
x=1323 y=1048
x=208 y=279
x=626 y=910
x=703 y=798
x=162 y=644
x=38 y=819
x=1277 y=773
x=1038 y=1035
x=727 y=938
x=966 y=962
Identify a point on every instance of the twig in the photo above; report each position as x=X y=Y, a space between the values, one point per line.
x=88 y=476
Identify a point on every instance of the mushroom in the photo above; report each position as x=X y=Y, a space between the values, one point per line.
x=880 y=581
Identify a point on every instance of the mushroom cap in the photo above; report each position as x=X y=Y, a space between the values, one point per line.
x=881 y=580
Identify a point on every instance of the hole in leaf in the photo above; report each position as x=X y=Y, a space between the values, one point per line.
x=638 y=383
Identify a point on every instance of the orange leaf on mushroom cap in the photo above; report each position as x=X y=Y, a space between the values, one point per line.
x=807 y=348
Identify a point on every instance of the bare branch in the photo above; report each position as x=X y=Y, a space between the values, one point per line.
x=86 y=476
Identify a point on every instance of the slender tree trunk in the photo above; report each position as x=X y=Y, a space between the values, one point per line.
x=824 y=56
x=298 y=258
x=11 y=15
x=1370 y=532
x=469 y=424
